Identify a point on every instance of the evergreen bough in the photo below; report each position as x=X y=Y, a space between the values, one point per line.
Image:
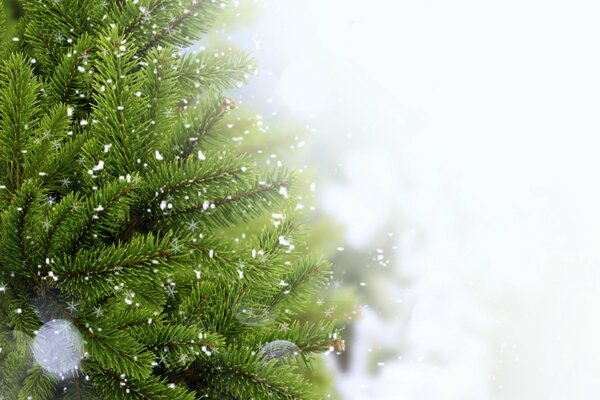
x=116 y=198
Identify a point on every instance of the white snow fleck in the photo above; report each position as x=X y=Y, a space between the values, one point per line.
x=283 y=191
x=99 y=166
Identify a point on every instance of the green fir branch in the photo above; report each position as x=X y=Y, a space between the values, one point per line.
x=18 y=117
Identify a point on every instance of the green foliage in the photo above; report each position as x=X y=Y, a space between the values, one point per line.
x=215 y=70
x=118 y=199
x=37 y=385
x=70 y=80
x=5 y=34
x=241 y=373
x=18 y=112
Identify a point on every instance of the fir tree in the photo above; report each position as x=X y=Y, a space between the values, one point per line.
x=119 y=277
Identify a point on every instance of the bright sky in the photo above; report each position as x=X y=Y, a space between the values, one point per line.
x=476 y=121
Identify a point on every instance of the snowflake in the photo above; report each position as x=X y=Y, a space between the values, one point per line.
x=64 y=182
x=72 y=306
x=329 y=312
x=284 y=326
x=46 y=225
x=171 y=290
x=176 y=247
x=192 y=225
x=98 y=311
x=146 y=13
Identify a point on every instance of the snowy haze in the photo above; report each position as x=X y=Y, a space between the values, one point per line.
x=472 y=129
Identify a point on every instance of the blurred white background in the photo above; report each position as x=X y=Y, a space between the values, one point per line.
x=470 y=129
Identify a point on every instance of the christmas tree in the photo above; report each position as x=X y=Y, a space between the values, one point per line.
x=121 y=272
